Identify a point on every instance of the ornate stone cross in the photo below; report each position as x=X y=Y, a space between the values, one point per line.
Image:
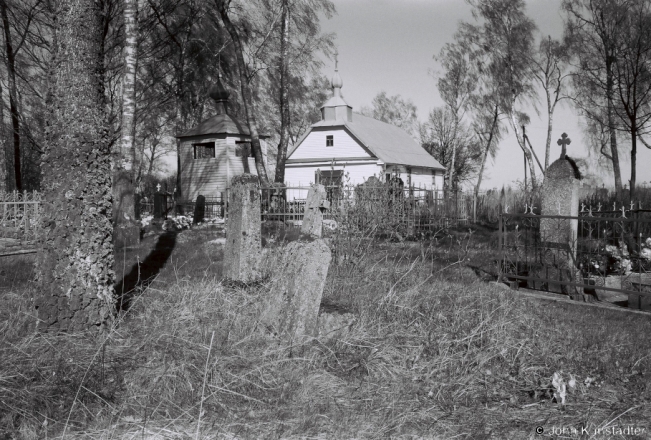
x=564 y=141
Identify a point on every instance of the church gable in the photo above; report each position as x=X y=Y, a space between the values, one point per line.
x=328 y=143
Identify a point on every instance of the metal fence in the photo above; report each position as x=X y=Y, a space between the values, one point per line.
x=608 y=255
x=20 y=215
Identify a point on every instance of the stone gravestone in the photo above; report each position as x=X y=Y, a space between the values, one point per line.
x=292 y=309
x=199 y=210
x=314 y=207
x=560 y=197
x=243 y=245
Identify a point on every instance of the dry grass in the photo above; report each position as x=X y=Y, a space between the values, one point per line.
x=434 y=353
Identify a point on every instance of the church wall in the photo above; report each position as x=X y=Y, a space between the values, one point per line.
x=314 y=145
x=304 y=175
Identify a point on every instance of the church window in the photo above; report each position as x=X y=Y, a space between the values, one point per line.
x=204 y=150
x=330 y=141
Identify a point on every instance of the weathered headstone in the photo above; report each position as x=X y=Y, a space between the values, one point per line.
x=292 y=309
x=160 y=205
x=560 y=197
x=315 y=205
x=199 y=210
x=243 y=234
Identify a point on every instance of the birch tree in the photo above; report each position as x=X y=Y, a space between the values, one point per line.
x=550 y=71
x=127 y=231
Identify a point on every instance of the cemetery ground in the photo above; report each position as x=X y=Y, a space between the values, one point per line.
x=435 y=351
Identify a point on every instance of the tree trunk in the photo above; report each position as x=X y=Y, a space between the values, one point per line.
x=483 y=163
x=126 y=229
x=611 y=127
x=246 y=91
x=13 y=100
x=633 y=158
x=526 y=151
x=75 y=257
x=5 y=165
x=550 y=118
x=284 y=98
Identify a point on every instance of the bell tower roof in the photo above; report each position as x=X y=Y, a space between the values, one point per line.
x=336 y=107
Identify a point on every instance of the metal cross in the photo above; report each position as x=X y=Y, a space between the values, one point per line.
x=531 y=208
x=564 y=141
x=599 y=207
x=158 y=187
x=582 y=207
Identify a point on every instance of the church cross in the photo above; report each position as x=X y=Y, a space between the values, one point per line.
x=564 y=141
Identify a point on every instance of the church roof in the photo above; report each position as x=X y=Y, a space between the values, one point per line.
x=219 y=124
x=390 y=144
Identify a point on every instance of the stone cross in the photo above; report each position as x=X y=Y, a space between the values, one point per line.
x=564 y=141
x=315 y=205
x=158 y=187
x=243 y=150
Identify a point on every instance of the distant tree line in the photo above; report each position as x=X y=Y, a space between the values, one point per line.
x=498 y=65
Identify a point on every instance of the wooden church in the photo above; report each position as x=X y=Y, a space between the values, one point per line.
x=348 y=143
x=215 y=151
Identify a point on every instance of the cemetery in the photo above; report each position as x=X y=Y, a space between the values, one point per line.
x=201 y=237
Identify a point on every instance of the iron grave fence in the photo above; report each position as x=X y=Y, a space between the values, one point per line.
x=20 y=215
x=607 y=254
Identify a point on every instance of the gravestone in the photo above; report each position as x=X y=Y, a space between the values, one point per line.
x=292 y=309
x=160 y=206
x=315 y=205
x=560 y=197
x=243 y=245
x=199 y=210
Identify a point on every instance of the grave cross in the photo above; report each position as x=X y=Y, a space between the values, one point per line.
x=158 y=187
x=564 y=141
x=243 y=150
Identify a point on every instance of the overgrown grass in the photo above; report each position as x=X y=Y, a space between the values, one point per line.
x=434 y=353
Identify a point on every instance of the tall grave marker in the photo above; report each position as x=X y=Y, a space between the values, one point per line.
x=560 y=197
x=243 y=246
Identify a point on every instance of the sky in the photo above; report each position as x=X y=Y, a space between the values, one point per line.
x=388 y=45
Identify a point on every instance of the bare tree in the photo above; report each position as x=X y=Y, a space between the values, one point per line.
x=394 y=110
x=550 y=63
x=594 y=28
x=75 y=257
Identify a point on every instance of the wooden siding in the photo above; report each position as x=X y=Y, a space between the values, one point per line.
x=314 y=145
x=211 y=177
x=207 y=177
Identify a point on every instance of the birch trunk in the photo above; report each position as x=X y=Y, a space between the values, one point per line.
x=526 y=151
x=127 y=231
x=75 y=257
x=614 y=154
x=483 y=163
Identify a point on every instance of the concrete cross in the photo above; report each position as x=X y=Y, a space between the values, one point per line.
x=564 y=141
x=158 y=187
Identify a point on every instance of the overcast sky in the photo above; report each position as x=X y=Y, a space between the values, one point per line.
x=389 y=45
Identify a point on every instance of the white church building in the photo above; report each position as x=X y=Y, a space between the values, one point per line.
x=347 y=147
